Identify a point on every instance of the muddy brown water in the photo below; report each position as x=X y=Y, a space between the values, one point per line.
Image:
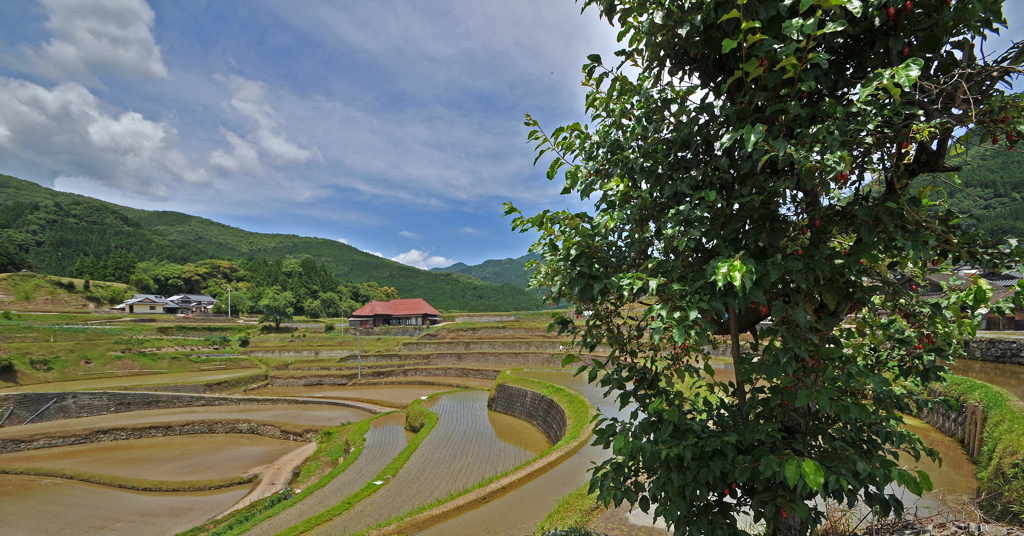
x=385 y=439
x=194 y=457
x=521 y=510
x=1005 y=375
x=463 y=449
x=398 y=394
x=305 y=414
x=135 y=379
x=38 y=505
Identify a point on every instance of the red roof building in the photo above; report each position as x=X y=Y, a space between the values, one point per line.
x=407 y=312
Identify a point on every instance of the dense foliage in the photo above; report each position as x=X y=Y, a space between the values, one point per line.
x=728 y=155
x=67 y=234
x=497 y=271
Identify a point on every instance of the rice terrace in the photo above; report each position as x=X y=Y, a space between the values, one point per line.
x=211 y=425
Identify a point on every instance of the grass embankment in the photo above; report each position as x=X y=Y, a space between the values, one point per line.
x=332 y=444
x=579 y=414
x=576 y=510
x=137 y=484
x=1001 y=462
x=415 y=413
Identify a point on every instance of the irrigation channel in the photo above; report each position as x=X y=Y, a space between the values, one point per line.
x=468 y=444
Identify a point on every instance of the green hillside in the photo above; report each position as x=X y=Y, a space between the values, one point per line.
x=991 y=195
x=55 y=229
x=497 y=272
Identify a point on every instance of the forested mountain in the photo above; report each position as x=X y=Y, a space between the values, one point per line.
x=496 y=272
x=54 y=231
x=991 y=194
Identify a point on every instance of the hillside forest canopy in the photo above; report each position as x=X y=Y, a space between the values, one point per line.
x=751 y=159
x=66 y=234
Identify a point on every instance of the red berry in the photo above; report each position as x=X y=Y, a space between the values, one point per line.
x=995 y=140
x=905 y=51
x=552 y=304
x=577 y=317
x=761 y=62
x=803 y=95
x=799 y=252
x=753 y=304
x=765 y=309
x=846 y=252
x=862 y=261
x=1005 y=119
x=908 y=6
x=913 y=287
x=817 y=223
x=891 y=13
x=935 y=261
x=1009 y=136
x=904 y=145
x=693 y=54
x=803 y=232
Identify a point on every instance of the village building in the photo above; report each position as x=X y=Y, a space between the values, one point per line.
x=403 y=312
x=157 y=304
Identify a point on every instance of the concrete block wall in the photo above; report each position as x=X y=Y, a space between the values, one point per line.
x=531 y=406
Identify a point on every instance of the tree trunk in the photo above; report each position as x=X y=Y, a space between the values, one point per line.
x=789 y=526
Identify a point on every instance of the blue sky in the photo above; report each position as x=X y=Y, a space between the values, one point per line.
x=394 y=126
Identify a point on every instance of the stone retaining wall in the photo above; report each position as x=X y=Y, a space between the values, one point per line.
x=996 y=350
x=70 y=405
x=161 y=430
x=422 y=346
x=298 y=353
x=339 y=379
x=532 y=407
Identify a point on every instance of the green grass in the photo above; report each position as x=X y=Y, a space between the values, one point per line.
x=370 y=488
x=137 y=484
x=577 y=509
x=241 y=516
x=1001 y=462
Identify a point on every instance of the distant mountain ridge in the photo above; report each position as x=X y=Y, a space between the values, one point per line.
x=56 y=228
x=497 y=271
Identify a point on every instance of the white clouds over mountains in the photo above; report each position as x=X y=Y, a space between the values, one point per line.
x=66 y=131
x=93 y=37
x=248 y=99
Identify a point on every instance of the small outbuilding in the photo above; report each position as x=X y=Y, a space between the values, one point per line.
x=404 y=312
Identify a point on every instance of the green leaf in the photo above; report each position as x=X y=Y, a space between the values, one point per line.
x=594 y=58
x=792 y=472
x=813 y=474
x=926 y=481
x=731 y=15
x=728 y=44
x=906 y=75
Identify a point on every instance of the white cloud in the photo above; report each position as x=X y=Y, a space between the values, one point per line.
x=409 y=234
x=345 y=241
x=373 y=253
x=66 y=131
x=472 y=231
x=248 y=98
x=91 y=37
x=422 y=259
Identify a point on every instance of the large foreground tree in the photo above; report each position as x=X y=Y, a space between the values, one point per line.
x=755 y=158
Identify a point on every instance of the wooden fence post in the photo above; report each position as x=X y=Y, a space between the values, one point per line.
x=979 y=420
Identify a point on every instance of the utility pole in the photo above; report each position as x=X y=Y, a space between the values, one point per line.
x=359 y=354
x=229 y=301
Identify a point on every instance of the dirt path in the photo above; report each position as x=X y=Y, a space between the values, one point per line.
x=274 y=476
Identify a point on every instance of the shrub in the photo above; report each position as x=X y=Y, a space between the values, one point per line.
x=6 y=365
x=243 y=341
x=329 y=327
x=40 y=363
x=6 y=315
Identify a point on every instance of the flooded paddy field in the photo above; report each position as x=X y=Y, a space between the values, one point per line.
x=195 y=457
x=130 y=380
x=39 y=505
x=1005 y=375
x=463 y=449
x=955 y=483
x=304 y=414
x=395 y=394
x=385 y=439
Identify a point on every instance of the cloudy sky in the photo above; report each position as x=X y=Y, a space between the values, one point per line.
x=394 y=126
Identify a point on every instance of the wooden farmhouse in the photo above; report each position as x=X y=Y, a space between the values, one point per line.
x=157 y=304
x=405 y=312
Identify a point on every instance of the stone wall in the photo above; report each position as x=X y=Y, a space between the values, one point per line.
x=303 y=434
x=532 y=407
x=70 y=405
x=312 y=353
x=345 y=379
x=996 y=350
x=422 y=346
